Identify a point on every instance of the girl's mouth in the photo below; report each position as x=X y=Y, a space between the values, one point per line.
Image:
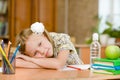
x=47 y=53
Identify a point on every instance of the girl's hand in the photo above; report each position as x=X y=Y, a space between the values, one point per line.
x=25 y=64
x=24 y=57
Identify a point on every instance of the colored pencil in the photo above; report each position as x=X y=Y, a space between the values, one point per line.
x=14 y=54
x=8 y=49
x=74 y=67
x=4 y=56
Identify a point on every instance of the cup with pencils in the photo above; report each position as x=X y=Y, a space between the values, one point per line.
x=8 y=59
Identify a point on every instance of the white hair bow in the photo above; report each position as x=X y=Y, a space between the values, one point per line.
x=37 y=28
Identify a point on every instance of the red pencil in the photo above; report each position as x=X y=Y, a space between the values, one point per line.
x=74 y=67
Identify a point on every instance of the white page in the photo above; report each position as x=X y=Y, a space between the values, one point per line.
x=76 y=67
x=0 y=69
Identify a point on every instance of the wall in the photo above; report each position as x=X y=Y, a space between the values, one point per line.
x=81 y=18
x=22 y=13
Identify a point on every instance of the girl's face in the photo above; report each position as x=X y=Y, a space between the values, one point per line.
x=38 y=46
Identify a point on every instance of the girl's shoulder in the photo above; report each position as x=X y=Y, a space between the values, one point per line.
x=59 y=35
x=61 y=39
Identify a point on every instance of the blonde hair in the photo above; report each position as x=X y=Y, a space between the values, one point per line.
x=23 y=36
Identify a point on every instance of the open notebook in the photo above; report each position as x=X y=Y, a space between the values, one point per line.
x=76 y=67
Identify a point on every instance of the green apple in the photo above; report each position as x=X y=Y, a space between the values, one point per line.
x=112 y=52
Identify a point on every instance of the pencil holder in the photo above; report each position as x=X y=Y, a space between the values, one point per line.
x=0 y=61
x=8 y=67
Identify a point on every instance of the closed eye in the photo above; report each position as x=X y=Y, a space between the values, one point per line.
x=39 y=44
x=35 y=53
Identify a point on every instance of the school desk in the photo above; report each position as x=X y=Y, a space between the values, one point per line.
x=46 y=74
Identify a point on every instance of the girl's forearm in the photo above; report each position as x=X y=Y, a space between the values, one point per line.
x=53 y=63
x=26 y=64
x=48 y=63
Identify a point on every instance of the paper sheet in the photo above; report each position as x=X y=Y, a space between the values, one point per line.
x=76 y=67
x=0 y=69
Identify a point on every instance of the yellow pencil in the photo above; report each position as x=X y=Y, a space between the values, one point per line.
x=6 y=58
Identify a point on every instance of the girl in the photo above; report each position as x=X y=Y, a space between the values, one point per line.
x=40 y=49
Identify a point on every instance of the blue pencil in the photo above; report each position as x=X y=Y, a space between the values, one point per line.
x=14 y=54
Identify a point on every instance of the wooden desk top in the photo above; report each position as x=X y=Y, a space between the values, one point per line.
x=44 y=74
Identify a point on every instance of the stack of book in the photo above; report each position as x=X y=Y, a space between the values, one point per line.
x=106 y=66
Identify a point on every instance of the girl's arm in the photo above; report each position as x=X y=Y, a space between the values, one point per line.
x=53 y=63
x=25 y=64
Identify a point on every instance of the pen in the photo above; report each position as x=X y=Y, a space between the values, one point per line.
x=74 y=67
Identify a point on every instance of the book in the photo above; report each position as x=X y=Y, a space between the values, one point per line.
x=111 y=72
x=3 y=28
x=3 y=6
x=98 y=66
x=107 y=62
